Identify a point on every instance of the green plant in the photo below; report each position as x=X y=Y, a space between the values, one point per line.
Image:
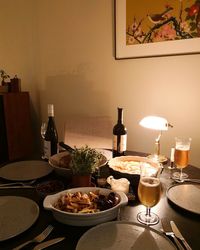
x=84 y=160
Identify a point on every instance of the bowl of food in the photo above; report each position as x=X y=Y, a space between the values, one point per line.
x=129 y=167
x=62 y=165
x=85 y=206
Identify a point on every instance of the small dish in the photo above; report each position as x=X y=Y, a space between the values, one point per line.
x=49 y=187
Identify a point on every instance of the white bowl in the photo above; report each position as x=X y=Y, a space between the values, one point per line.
x=78 y=219
x=57 y=165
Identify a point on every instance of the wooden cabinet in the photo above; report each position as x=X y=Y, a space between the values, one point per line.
x=16 y=135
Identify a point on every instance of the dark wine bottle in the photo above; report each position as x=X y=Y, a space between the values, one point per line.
x=119 y=136
x=51 y=135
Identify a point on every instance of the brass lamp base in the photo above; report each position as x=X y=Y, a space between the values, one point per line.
x=158 y=158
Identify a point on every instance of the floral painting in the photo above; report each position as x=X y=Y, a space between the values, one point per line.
x=150 y=21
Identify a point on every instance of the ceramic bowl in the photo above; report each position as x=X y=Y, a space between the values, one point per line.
x=61 y=163
x=78 y=219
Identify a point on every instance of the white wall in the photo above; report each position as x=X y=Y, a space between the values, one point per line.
x=65 y=55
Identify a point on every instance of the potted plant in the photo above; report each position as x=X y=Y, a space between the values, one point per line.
x=84 y=162
x=4 y=84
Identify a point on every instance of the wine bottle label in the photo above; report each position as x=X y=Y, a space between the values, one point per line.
x=120 y=145
x=50 y=110
x=47 y=149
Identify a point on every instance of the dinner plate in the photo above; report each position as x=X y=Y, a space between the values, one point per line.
x=25 y=170
x=124 y=235
x=186 y=196
x=17 y=214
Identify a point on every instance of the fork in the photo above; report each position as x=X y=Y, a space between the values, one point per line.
x=29 y=183
x=186 y=180
x=39 y=238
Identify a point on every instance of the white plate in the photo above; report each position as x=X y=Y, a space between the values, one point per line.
x=25 y=170
x=186 y=196
x=17 y=214
x=120 y=235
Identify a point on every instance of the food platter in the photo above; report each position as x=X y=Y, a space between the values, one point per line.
x=129 y=167
x=185 y=196
x=131 y=164
x=17 y=214
x=119 y=235
x=25 y=170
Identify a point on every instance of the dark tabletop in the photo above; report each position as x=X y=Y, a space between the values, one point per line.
x=187 y=222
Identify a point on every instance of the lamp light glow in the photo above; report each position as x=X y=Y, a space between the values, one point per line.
x=156 y=123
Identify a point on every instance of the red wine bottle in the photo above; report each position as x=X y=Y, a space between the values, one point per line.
x=51 y=135
x=119 y=136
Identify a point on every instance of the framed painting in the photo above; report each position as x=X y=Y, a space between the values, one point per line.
x=148 y=28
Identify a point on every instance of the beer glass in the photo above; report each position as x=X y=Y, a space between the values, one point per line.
x=181 y=157
x=149 y=192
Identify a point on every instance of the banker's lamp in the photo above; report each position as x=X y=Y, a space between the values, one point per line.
x=156 y=123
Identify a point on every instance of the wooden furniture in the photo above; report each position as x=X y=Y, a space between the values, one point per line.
x=16 y=137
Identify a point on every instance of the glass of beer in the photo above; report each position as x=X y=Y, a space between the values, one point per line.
x=149 y=192
x=181 y=156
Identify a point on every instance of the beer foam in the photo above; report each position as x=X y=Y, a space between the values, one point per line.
x=150 y=181
x=183 y=147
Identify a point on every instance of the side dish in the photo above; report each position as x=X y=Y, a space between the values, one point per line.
x=90 y=202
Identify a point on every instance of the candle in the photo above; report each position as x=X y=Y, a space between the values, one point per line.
x=172 y=154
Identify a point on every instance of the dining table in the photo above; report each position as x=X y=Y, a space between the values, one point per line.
x=187 y=221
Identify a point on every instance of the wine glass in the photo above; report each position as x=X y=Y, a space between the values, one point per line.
x=43 y=129
x=149 y=192
x=181 y=157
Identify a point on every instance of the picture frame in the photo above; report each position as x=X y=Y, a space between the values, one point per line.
x=153 y=49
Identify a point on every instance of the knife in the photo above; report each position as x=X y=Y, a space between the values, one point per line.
x=48 y=243
x=179 y=235
x=168 y=231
